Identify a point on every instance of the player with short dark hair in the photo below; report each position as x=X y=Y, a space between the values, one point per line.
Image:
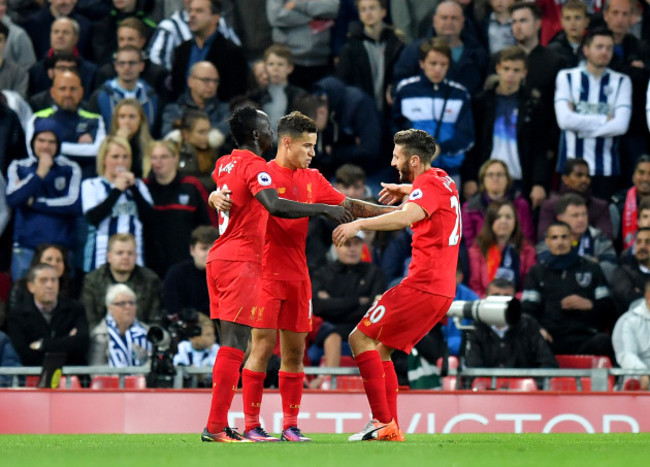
x=234 y=265
x=286 y=291
x=408 y=311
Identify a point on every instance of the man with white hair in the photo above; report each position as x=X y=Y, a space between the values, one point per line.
x=119 y=340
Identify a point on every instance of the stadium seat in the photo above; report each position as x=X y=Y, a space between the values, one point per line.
x=632 y=385
x=452 y=362
x=113 y=382
x=349 y=383
x=567 y=383
x=449 y=383
x=583 y=361
x=31 y=381
x=346 y=361
x=74 y=382
x=510 y=384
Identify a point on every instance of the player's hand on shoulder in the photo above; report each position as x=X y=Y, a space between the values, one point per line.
x=393 y=193
x=220 y=200
x=339 y=214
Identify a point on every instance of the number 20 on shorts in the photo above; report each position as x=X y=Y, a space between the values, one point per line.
x=375 y=313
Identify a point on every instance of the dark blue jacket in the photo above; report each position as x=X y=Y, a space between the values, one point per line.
x=45 y=209
x=352 y=115
x=419 y=104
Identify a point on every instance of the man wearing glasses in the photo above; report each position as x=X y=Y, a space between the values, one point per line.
x=200 y=94
x=129 y=66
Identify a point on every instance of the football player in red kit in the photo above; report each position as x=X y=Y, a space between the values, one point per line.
x=234 y=266
x=286 y=296
x=405 y=313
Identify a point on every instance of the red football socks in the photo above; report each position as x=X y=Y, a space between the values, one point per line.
x=291 y=393
x=391 y=388
x=225 y=376
x=372 y=372
x=252 y=388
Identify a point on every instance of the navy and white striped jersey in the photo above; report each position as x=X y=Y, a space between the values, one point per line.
x=123 y=218
x=592 y=112
x=173 y=31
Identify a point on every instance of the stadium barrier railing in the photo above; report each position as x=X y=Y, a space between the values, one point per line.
x=598 y=376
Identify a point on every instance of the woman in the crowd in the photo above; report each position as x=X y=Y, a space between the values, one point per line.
x=114 y=202
x=197 y=150
x=130 y=122
x=57 y=257
x=500 y=249
x=179 y=205
x=495 y=184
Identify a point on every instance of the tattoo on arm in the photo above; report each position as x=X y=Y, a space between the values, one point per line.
x=360 y=208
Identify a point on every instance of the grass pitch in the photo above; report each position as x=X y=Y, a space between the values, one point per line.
x=475 y=450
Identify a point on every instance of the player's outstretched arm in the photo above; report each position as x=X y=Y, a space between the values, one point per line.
x=409 y=214
x=393 y=193
x=280 y=207
x=360 y=208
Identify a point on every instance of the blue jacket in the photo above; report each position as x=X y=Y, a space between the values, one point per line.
x=71 y=126
x=470 y=70
x=419 y=104
x=106 y=98
x=45 y=209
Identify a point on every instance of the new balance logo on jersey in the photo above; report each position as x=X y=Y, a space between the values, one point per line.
x=227 y=168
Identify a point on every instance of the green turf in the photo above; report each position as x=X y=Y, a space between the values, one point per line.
x=476 y=450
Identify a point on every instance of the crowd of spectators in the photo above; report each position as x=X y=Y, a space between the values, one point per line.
x=113 y=113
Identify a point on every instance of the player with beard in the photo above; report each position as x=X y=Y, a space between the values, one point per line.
x=234 y=266
x=408 y=311
x=286 y=295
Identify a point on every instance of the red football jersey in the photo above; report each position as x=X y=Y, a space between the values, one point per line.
x=241 y=229
x=284 y=249
x=436 y=238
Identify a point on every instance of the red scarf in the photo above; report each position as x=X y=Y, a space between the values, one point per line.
x=493 y=261
x=629 y=221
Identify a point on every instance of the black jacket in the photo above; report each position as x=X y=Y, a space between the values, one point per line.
x=628 y=282
x=184 y=288
x=560 y=45
x=531 y=131
x=178 y=209
x=545 y=288
x=225 y=55
x=346 y=284
x=354 y=66
x=104 y=33
x=26 y=324
x=521 y=347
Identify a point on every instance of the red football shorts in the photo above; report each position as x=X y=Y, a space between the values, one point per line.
x=287 y=305
x=403 y=316
x=234 y=288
